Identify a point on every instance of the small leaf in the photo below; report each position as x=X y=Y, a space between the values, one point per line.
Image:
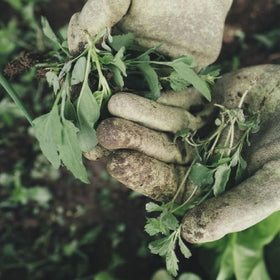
x=70 y=152
x=87 y=137
x=170 y=221
x=184 y=249
x=118 y=62
x=151 y=77
x=70 y=248
x=48 y=129
x=91 y=235
x=221 y=178
x=172 y=263
x=79 y=70
x=153 y=226
x=160 y=246
x=117 y=76
x=201 y=176
x=187 y=74
x=53 y=81
x=65 y=69
x=47 y=30
x=88 y=113
x=119 y=41
x=176 y=82
x=182 y=134
x=153 y=207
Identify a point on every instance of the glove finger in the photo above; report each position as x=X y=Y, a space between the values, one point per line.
x=187 y=99
x=144 y=174
x=240 y=208
x=152 y=114
x=116 y=133
x=96 y=153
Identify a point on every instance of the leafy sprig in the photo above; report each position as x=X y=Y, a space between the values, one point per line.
x=82 y=85
x=217 y=158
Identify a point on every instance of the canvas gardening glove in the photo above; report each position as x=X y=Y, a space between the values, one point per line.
x=146 y=159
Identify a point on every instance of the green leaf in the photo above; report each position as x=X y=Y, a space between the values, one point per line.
x=172 y=263
x=182 y=134
x=70 y=248
x=65 y=69
x=119 y=41
x=170 y=221
x=153 y=226
x=79 y=70
x=53 y=81
x=70 y=152
x=48 y=129
x=153 y=207
x=176 y=82
x=151 y=77
x=201 y=176
x=117 y=76
x=184 y=249
x=226 y=269
x=104 y=275
x=186 y=73
x=221 y=178
x=118 y=61
x=189 y=276
x=47 y=30
x=160 y=246
x=91 y=235
x=88 y=113
x=87 y=137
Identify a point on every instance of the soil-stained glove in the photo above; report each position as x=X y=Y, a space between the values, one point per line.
x=186 y=27
x=144 y=164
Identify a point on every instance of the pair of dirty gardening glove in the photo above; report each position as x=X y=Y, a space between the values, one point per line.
x=138 y=139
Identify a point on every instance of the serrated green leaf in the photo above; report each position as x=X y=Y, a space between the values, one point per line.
x=79 y=70
x=48 y=129
x=119 y=41
x=221 y=178
x=172 y=263
x=153 y=207
x=70 y=152
x=170 y=221
x=160 y=246
x=184 y=249
x=47 y=30
x=151 y=78
x=201 y=176
x=187 y=74
x=53 y=81
x=153 y=226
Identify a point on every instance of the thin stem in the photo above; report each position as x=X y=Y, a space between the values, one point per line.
x=182 y=184
x=11 y=92
x=187 y=200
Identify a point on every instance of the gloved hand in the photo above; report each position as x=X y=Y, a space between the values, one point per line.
x=144 y=156
x=148 y=163
x=187 y=27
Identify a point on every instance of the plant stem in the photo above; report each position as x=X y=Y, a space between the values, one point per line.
x=11 y=92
